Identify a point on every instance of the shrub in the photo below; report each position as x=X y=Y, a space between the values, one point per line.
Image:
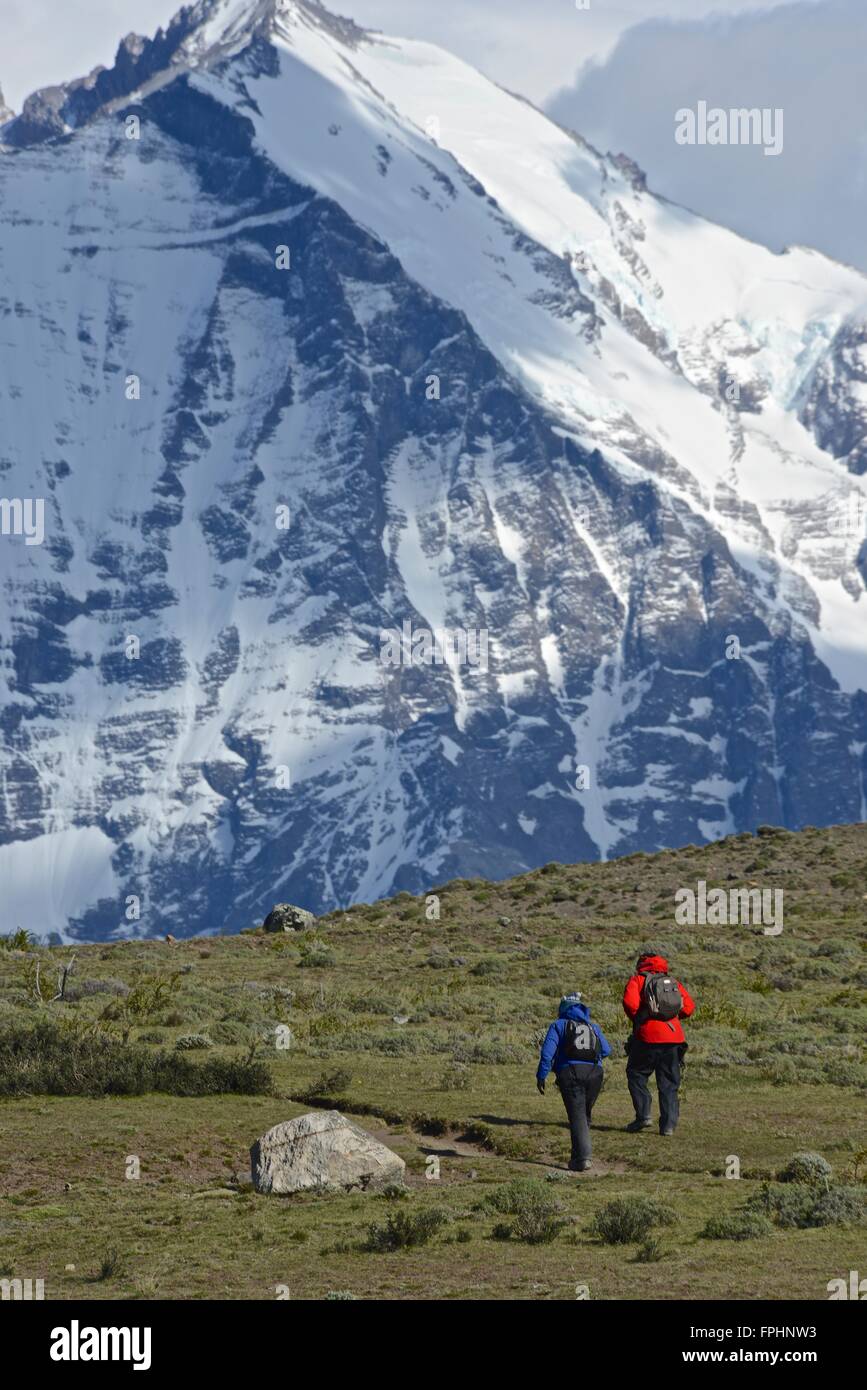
x=806 y=1205
x=397 y=1045
x=455 y=1078
x=225 y=1031
x=141 y=1004
x=743 y=1225
x=790 y=1206
x=782 y=1071
x=491 y=965
x=216 y=1076
x=316 y=956
x=538 y=1224
x=490 y=1051
x=840 y=1206
x=49 y=1060
x=403 y=1229
x=649 y=1251
x=816 y=970
x=330 y=1083
x=109 y=1266
x=835 y=947
x=509 y=1198
x=19 y=940
x=536 y=1212
x=429 y=1124
x=846 y=1074
x=628 y=1218
x=806 y=1167
x=82 y=989
x=192 y=1042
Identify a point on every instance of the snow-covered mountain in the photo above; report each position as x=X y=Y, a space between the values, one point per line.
x=308 y=333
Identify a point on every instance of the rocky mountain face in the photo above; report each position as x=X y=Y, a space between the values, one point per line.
x=420 y=496
x=835 y=403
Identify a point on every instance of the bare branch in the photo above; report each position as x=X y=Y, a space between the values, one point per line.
x=62 y=978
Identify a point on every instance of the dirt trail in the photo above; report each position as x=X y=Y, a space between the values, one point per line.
x=449 y=1146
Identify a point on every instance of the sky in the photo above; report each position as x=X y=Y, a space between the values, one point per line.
x=531 y=46
x=806 y=60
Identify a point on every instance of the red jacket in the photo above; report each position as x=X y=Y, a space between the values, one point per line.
x=654 y=1030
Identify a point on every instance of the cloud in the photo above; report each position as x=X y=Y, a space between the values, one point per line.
x=806 y=58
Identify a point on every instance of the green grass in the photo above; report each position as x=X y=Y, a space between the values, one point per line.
x=776 y=1067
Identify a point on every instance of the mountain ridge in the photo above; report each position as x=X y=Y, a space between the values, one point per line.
x=578 y=486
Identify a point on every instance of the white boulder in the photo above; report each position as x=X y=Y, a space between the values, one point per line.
x=322 y=1150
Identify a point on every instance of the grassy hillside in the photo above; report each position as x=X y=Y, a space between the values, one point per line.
x=776 y=1065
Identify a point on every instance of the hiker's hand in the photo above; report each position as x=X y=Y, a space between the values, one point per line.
x=540 y=1087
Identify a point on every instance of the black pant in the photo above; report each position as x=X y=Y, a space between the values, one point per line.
x=580 y=1084
x=662 y=1060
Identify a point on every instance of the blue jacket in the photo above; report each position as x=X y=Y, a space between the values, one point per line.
x=551 y=1055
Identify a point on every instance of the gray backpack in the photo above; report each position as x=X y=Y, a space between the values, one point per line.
x=580 y=1043
x=661 y=998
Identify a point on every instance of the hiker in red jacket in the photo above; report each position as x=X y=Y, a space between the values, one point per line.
x=656 y=1003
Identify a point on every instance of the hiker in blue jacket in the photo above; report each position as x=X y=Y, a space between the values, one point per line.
x=575 y=1048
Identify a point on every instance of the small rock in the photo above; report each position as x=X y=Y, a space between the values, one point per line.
x=400 y=1018
x=69 y=1269
x=287 y=917
x=170 y=939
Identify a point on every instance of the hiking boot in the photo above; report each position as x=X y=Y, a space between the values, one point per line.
x=666 y=1133
x=636 y=1125
x=581 y=1166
